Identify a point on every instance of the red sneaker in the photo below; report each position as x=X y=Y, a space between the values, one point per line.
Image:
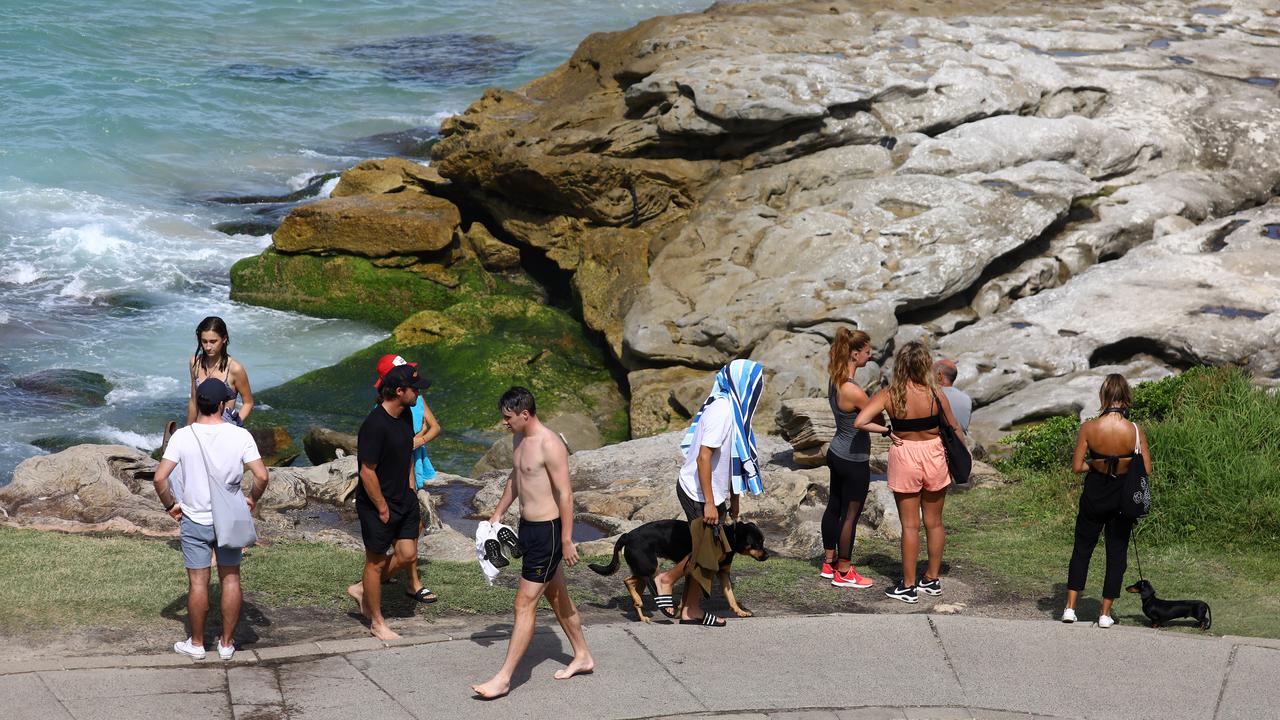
x=851 y=579
x=828 y=572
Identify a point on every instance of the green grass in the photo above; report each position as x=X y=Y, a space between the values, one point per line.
x=62 y=582
x=1024 y=552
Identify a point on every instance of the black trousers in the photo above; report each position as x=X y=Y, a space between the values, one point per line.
x=850 y=480
x=1100 y=514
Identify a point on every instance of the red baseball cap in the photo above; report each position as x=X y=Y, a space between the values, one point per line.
x=386 y=362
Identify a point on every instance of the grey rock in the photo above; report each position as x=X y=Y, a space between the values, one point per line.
x=322 y=444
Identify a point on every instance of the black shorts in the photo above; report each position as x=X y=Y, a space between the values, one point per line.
x=379 y=536
x=693 y=509
x=542 y=552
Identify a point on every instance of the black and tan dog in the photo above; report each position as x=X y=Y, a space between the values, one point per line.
x=670 y=539
x=1160 y=611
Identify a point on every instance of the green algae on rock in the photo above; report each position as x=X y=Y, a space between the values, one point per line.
x=474 y=340
x=340 y=286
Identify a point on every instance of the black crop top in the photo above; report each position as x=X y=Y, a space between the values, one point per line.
x=919 y=424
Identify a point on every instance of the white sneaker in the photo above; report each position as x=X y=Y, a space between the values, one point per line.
x=1068 y=615
x=190 y=649
x=226 y=651
x=1105 y=621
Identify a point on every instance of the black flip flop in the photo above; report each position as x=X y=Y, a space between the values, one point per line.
x=493 y=553
x=708 y=620
x=666 y=605
x=509 y=540
x=424 y=596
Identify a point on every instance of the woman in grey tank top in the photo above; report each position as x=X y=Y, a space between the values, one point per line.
x=848 y=458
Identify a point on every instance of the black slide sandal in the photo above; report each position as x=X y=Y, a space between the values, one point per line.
x=424 y=596
x=666 y=605
x=708 y=620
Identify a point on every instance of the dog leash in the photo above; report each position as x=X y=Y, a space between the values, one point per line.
x=1133 y=539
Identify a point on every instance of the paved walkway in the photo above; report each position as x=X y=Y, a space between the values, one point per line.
x=836 y=666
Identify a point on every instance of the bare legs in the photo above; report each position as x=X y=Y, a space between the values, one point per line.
x=910 y=507
x=368 y=592
x=665 y=582
x=198 y=601
x=526 y=608
x=229 y=577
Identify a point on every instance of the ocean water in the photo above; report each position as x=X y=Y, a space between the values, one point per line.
x=126 y=127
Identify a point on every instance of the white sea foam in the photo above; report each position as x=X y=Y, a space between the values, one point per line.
x=327 y=189
x=302 y=179
x=20 y=273
x=130 y=438
x=147 y=387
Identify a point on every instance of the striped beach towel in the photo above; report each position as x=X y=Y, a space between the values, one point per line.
x=741 y=382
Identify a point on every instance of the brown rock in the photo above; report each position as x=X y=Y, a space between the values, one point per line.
x=376 y=177
x=653 y=409
x=322 y=444
x=428 y=326
x=275 y=444
x=370 y=225
x=492 y=252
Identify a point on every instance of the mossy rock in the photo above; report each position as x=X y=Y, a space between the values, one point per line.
x=77 y=387
x=510 y=341
x=346 y=286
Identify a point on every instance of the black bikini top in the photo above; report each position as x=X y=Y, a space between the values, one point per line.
x=1114 y=460
x=919 y=424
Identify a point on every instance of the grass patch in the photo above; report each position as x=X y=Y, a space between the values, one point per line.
x=54 y=581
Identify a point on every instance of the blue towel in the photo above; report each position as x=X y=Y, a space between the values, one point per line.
x=422 y=467
x=741 y=381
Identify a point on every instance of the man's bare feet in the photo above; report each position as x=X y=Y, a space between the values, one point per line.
x=585 y=666
x=357 y=593
x=382 y=632
x=491 y=690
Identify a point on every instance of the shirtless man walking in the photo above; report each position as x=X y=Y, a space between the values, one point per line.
x=540 y=479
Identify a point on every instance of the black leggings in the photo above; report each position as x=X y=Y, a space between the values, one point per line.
x=1099 y=512
x=849 y=482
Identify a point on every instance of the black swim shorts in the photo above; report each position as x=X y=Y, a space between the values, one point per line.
x=379 y=536
x=542 y=551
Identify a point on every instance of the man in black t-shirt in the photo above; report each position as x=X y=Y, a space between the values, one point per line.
x=385 y=499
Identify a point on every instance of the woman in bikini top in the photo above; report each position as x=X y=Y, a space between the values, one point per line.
x=1109 y=441
x=211 y=360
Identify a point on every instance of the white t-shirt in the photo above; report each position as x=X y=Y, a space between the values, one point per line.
x=715 y=430
x=228 y=448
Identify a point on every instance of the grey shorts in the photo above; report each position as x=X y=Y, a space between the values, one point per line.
x=199 y=545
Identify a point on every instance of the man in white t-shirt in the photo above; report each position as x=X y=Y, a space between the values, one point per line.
x=704 y=491
x=225 y=450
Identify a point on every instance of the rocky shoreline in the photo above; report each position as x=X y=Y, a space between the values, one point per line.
x=1048 y=193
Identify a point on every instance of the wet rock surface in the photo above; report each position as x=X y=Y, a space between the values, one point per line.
x=78 y=387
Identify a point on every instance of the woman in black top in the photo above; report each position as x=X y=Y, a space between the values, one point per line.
x=1110 y=441
x=848 y=458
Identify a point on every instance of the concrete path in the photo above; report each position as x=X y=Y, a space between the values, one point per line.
x=812 y=667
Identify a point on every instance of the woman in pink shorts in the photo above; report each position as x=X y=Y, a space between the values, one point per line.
x=918 y=473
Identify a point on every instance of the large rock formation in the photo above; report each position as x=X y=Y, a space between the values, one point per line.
x=738 y=182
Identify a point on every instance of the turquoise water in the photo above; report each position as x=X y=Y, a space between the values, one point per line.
x=121 y=122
